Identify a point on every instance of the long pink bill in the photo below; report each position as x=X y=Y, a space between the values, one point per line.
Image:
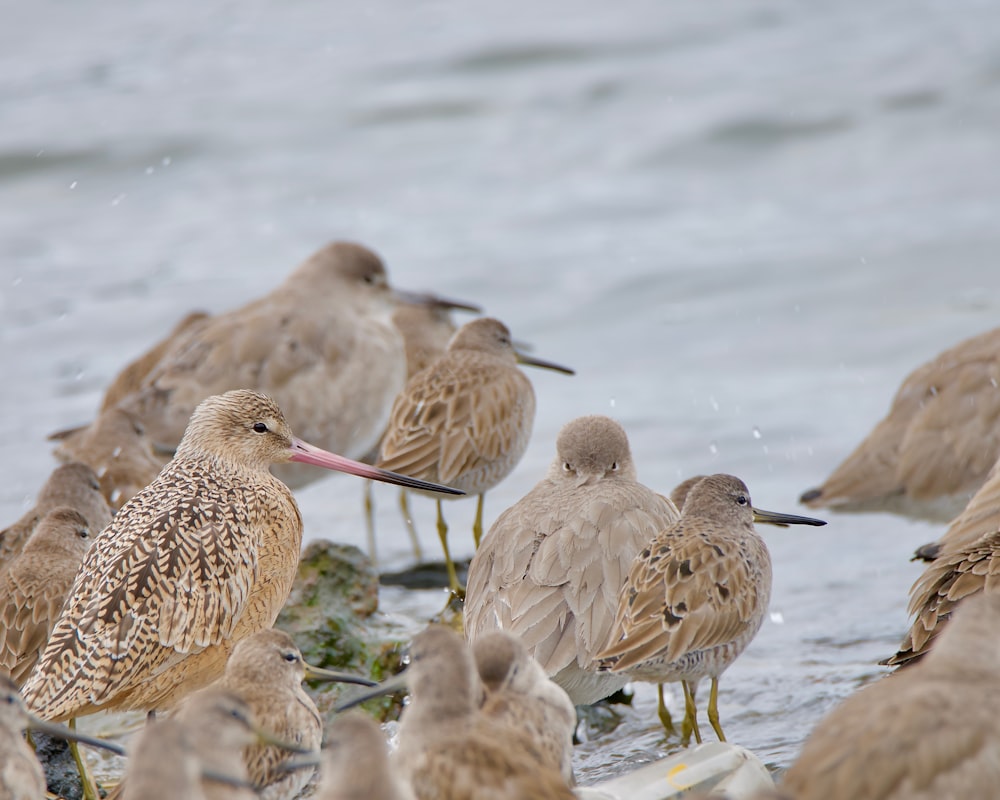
x=308 y=454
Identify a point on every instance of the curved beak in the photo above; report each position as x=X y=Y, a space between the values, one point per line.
x=306 y=453
x=62 y=732
x=783 y=520
x=320 y=674
x=531 y=361
x=397 y=683
x=432 y=300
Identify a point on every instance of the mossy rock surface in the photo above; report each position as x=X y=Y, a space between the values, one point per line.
x=332 y=613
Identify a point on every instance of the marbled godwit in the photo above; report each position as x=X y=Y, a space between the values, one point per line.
x=117 y=448
x=426 y=330
x=202 y=557
x=465 y=420
x=934 y=449
x=518 y=694
x=34 y=587
x=322 y=345
x=448 y=749
x=73 y=485
x=927 y=733
x=550 y=568
x=696 y=595
x=267 y=671
x=355 y=763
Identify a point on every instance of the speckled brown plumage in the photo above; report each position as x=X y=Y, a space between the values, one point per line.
x=697 y=593
x=934 y=448
x=74 y=485
x=115 y=445
x=267 y=671
x=551 y=566
x=322 y=344
x=465 y=420
x=926 y=733
x=201 y=558
x=34 y=588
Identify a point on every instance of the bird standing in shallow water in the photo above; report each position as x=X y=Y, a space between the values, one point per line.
x=465 y=420
x=34 y=587
x=266 y=670
x=696 y=595
x=934 y=448
x=201 y=558
x=550 y=568
x=926 y=733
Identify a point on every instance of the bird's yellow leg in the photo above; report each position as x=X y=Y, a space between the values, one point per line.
x=663 y=713
x=477 y=526
x=404 y=508
x=87 y=783
x=690 y=723
x=713 y=709
x=370 y=521
x=453 y=583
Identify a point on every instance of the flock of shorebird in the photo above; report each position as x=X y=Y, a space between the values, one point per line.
x=151 y=570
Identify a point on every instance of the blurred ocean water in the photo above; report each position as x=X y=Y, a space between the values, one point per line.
x=742 y=223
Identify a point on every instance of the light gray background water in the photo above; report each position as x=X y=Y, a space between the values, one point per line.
x=742 y=223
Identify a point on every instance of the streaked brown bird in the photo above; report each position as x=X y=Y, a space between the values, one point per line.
x=355 y=763
x=426 y=328
x=696 y=595
x=934 y=448
x=198 y=560
x=267 y=671
x=34 y=587
x=550 y=568
x=115 y=445
x=448 y=749
x=925 y=733
x=518 y=694
x=465 y=420
x=322 y=344
x=74 y=485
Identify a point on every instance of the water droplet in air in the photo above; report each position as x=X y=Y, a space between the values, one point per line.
x=756 y=432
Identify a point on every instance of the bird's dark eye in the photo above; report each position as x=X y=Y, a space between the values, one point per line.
x=84 y=533
x=260 y=427
x=369 y=278
x=742 y=499
x=567 y=467
x=614 y=466
x=291 y=658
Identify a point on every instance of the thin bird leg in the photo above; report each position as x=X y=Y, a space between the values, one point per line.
x=663 y=712
x=87 y=783
x=713 y=709
x=477 y=526
x=370 y=522
x=453 y=583
x=404 y=507
x=690 y=723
